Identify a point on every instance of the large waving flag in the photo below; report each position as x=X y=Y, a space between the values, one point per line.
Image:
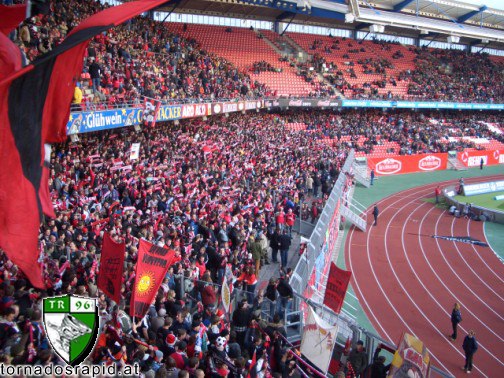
x=34 y=110
x=111 y=268
x=151 y=267
x=11 y=16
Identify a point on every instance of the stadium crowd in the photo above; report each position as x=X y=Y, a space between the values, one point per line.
x=414 y=132
x=453 y=75
x=223 y=193
x=141 y=58
x=220 y=196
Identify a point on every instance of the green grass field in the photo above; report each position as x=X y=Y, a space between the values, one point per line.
x=484 y=200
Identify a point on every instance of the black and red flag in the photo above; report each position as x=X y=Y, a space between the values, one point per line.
x=150 y=111
x=252 y=372
x=34 y=110
x=111 y=268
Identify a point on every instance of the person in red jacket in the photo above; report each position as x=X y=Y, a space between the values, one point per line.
x=208 y=296
x=290 y=218
x=249 y=278
x=437 y=192
x=280 y=219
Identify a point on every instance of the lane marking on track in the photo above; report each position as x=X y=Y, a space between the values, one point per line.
x=444 y=285
x=455 y=296
x=419 y=190
x=349 y=250
x=441 y=252
x=479 y=255
x=472 y=270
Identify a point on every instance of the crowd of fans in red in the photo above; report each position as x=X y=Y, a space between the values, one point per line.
x=142 y=58
x=414 y=132
x=222 y=192
x=213 y=193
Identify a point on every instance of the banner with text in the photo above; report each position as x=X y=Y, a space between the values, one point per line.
x=111 y=268
x=88 y=121
x=336 y=288
x=483 y=188
x=400 y=164
x=473 y=158
x=152 y=264
x=318 y=340
x=411 y=359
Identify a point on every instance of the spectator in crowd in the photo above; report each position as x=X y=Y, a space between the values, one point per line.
x=358 y=359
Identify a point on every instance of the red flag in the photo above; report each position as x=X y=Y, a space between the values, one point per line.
x=150 y=111
x=253 y=367
x=34 y=110
x=11 y=17
x=111 y=268
x=152 y=265
x=337 y=285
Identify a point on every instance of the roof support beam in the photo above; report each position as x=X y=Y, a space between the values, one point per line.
x=475 y=42
x=403 y=4
x=471 y=14
x=284 y=15
x=362 y=25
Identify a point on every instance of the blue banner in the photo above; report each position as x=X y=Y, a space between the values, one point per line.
x=418 y=105
x=85 y=122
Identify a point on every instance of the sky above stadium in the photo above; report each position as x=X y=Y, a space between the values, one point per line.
x=497 y=4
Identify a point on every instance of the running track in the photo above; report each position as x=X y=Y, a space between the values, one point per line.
x=409 y=282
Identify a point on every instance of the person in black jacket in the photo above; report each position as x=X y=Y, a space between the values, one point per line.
x=274 y=245
x=375 y=214
x=378 y=368
x=358 y=358
x=271 y=295
x=95 y=74
x=240 y=322
x=470 y=347
x=285 y=293
x=456 y=318
x=284 y=241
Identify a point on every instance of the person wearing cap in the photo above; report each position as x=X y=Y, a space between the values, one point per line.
x=358 y=358
x=170 y=342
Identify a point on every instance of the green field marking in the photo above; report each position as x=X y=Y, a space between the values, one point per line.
x=484 y=200
x=494 y=233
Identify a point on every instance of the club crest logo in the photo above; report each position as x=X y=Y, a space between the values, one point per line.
x=71 y=325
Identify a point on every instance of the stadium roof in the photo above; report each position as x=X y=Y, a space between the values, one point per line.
x=429 y=19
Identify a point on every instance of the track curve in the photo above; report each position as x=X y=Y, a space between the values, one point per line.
x=407 y=281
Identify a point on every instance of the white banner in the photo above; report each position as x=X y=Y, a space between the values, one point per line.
x=135 y=151
x=318 y=340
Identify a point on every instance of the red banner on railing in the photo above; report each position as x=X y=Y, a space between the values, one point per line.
x=473 y=158
x=400 y=164
x=336 y=288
